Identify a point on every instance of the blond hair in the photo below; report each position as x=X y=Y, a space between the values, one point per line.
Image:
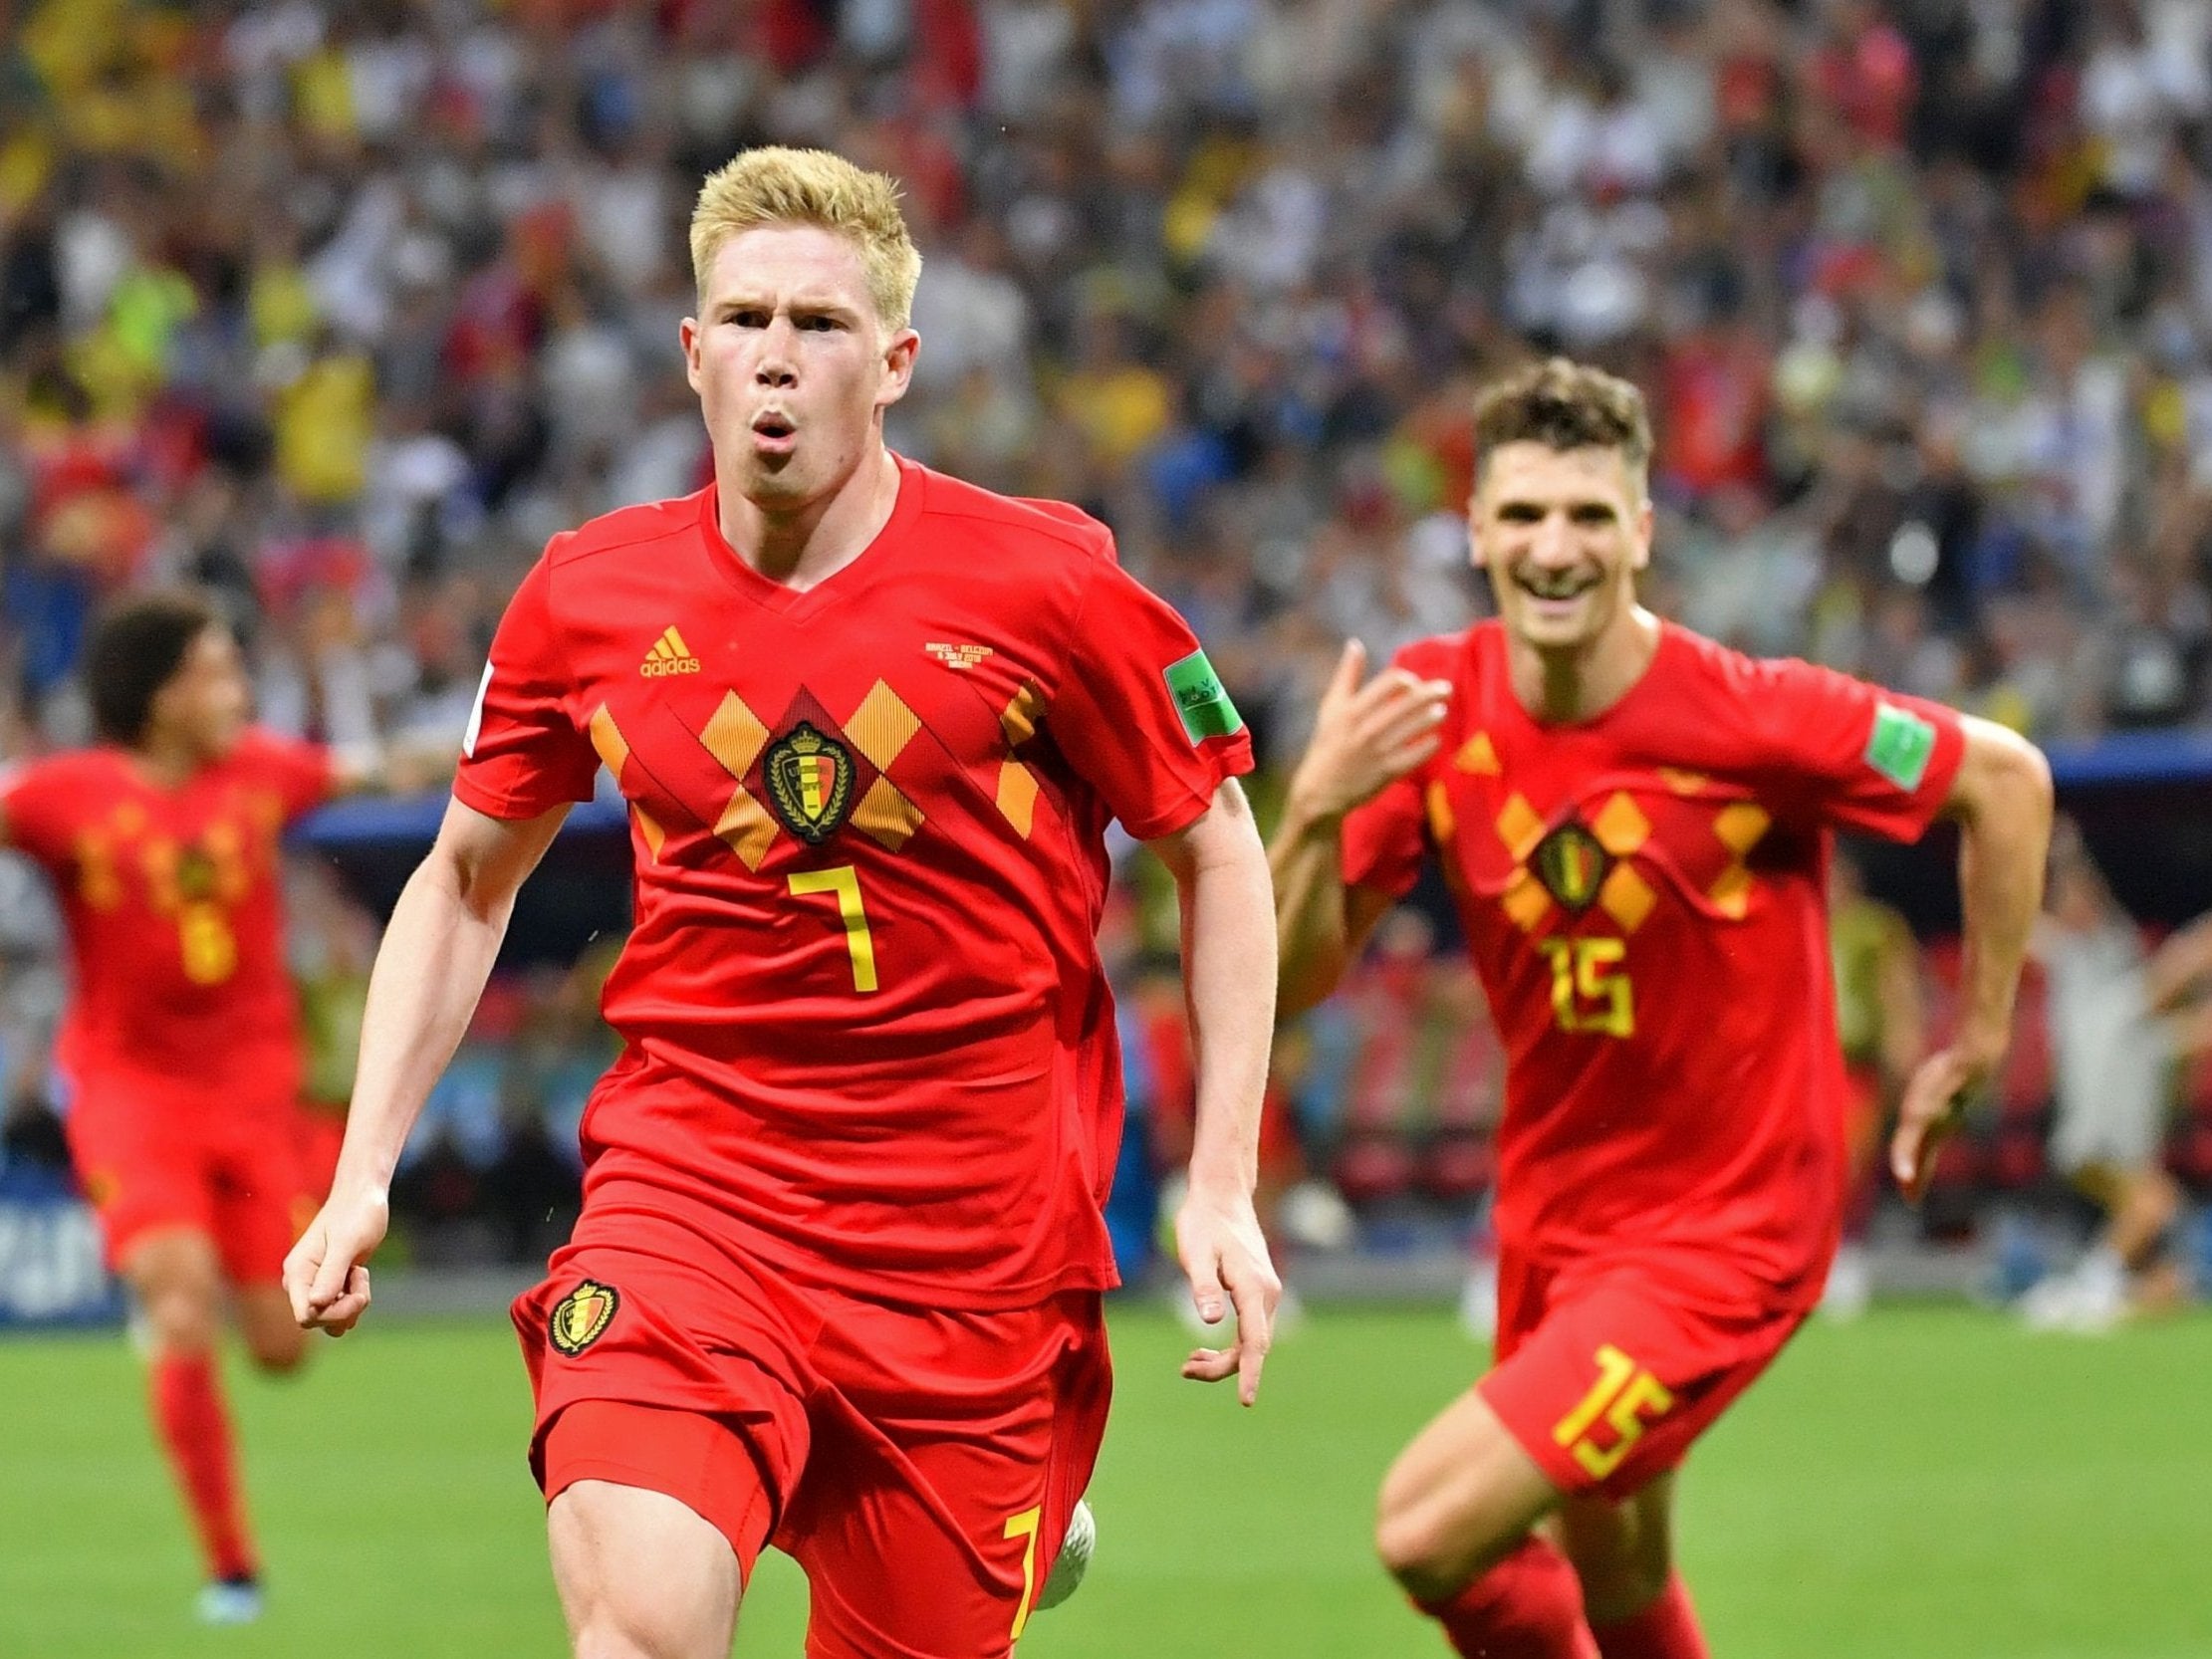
x=776 y=185
x=1562 y=404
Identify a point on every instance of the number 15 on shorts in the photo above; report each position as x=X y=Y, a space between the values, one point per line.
x=1626 y=1400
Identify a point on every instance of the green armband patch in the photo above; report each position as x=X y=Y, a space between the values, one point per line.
x=1201 y=699
x=1900 y=745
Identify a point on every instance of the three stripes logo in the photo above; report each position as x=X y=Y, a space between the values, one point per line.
x=669 y=655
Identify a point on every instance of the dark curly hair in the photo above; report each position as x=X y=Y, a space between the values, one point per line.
x=135 y=650
x=1563 y=404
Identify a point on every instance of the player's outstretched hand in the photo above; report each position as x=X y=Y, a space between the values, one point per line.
x=1934 y=1102
x=1366 y=737
x=1224 y=1255
x=323 y=1275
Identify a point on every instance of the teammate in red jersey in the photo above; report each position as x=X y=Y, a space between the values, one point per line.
x=837 y=1280
x=181 y=1044
x=1634 y=823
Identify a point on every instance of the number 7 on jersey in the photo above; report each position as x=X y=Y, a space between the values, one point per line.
x=844 y=882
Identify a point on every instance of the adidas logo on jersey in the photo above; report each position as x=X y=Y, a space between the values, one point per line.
x=669 y=655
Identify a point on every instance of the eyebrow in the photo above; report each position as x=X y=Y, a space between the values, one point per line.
x=1583 y=507
x=800 y=304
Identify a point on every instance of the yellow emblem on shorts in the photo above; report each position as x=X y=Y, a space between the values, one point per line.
x=582 y=1316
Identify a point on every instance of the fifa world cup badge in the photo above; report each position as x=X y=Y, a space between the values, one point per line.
x=582 y=1316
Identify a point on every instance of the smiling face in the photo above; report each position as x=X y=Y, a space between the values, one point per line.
x=1562 y=534
x=793 y=366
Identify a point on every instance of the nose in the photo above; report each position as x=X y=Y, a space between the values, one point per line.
x=1554 y=541
x=778 y=365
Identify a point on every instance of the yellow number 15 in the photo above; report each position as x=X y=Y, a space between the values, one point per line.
x=844 y=882
x=1589 y=989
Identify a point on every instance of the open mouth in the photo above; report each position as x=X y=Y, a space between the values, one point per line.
x=773 y=430
x=1559 y=587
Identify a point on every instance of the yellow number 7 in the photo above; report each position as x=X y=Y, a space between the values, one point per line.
x=1023 y=1526
x=845 y=881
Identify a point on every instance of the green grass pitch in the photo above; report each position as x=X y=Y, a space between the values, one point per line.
x=1929 y=1483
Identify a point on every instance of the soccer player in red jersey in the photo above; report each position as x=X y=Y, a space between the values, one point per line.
x=837 y=1280
x=180 y=1044
x=1634 y=824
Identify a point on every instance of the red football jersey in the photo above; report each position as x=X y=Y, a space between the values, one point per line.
x=1643 y=896
x=866 y=1030
x=180 y=999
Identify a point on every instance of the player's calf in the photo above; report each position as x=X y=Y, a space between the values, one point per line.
x=1623 y=1550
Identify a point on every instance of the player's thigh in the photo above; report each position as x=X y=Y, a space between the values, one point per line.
x=1460 y=1496
x=928 y=1522
x=262 y=1201
x=177 y=1275
x=641 y=1574
x=142 y=1175
x=1623 y=1548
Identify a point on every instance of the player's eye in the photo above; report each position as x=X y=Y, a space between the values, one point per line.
x=1593 y=515
x=1521 y=512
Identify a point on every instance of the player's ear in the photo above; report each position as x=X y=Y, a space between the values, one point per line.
x=898 y=366
x=1474 y=532
x=688 y=333
x=1641 y=559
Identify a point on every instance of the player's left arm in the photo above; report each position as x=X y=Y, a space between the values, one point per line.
x=1228 y=911
x=2000 y=799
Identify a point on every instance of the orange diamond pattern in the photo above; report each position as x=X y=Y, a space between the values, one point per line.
x=1479 y=756
x=886 y=817
x=1740 y=825
x=1681 y=782
x=1442 y=825
x=882 y=726
x=1621 y=827
x=1526 y=901
x=1518 y=827
x=735 y=736
x=649 y=827
x=1016 y=798
x=1628 y=898
x=608 y=739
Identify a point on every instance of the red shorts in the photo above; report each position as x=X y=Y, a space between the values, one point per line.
x=920 y=1464
x=1608 y=1373
x=148 y=1169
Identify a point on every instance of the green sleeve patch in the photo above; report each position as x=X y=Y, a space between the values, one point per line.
x=1201 y=699
x=1900 y=746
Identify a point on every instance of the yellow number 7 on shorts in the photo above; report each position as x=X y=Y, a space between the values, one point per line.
x=1023 y=1526
x=1631 y=1400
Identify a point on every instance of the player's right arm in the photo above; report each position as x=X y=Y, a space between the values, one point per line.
x=1367 y=738
x=430 y=970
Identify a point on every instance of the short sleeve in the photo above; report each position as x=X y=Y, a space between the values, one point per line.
x=1386 y=838
x=1854 y=755
x=34 y=801
x=523 y=754
x=1139 y=712
x=301 y=773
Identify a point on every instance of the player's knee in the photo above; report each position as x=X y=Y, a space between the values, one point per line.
x=182 y=1319
x=632 y=1628
x=277 y=1351
x=1421 y=1552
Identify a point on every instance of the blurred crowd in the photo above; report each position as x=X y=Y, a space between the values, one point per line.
x=343 y=309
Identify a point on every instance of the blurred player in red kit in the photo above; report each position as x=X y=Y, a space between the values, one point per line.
x=1634 y=823
x=837 y=1280
x=181 y=1045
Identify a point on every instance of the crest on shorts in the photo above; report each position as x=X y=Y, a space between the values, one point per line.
x=581 y=1317
x=1571 y=866
x=810 y=782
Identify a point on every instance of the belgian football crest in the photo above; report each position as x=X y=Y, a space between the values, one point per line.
x=581 y=1317
x=810 y=782
x=1571 y=866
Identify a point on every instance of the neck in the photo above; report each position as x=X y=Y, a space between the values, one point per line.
x=804 y=546
x=165 y=760
x=1581 y=682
